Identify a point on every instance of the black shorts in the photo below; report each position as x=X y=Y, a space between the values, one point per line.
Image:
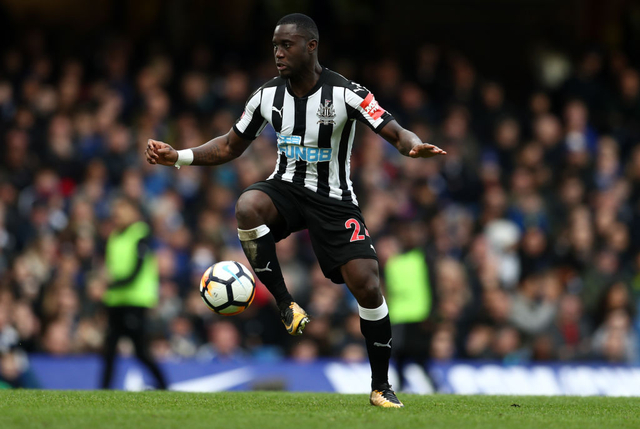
x=337 y=230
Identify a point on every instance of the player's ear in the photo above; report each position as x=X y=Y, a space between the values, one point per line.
x=312 y=45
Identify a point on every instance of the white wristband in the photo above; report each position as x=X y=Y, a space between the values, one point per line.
x=185 y=157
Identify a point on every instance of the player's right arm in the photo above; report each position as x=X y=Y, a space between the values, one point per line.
x=219 y=150
x=214 y=152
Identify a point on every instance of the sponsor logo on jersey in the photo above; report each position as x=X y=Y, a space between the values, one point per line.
x=290 y=146
x=326 y=113
x=371 y=107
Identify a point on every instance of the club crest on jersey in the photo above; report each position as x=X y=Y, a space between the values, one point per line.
x=326 y=113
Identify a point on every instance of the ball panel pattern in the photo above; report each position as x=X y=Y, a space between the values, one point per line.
x=227 y=288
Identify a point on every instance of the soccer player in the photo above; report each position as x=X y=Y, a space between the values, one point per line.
x=313 y=111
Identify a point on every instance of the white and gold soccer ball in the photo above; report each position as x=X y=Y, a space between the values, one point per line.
x=227 y=288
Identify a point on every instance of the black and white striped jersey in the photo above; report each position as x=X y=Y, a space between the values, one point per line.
x=314 y=133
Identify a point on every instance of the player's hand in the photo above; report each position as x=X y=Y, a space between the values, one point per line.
x=426 y=150
x=158 y=152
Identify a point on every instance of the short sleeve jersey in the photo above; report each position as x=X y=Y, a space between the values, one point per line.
x=315 y=133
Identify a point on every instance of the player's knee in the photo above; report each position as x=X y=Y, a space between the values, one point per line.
x=368 y=294
x=361 y=276
x=247 y=212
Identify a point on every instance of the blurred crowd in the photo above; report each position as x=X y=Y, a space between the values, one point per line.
x=529 y=227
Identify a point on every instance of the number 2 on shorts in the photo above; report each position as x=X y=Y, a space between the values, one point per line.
x=356 y=236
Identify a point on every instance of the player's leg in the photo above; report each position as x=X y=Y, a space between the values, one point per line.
x=257 y=215
x=361 y=276
x=114 y=331
x=136 y=320
x=346 y=254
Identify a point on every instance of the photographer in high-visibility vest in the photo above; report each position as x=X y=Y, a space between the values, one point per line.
x=133 y=286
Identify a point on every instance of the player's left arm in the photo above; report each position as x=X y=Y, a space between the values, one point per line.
x=407 y=142
x=362 y=105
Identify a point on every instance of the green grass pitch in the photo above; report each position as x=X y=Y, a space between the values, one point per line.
x=262 y=410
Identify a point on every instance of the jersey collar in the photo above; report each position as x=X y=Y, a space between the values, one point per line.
x=315 y=88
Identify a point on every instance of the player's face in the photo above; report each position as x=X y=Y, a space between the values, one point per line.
x=290 y=49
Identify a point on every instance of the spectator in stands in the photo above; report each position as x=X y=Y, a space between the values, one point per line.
x=570 y=331
x=224 y=344
x=14 y=371
x=615 y=340
x=532 y=307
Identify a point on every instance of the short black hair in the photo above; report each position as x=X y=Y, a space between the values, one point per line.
x=304 y=23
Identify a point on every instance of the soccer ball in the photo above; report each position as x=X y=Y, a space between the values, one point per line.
x=227 y=288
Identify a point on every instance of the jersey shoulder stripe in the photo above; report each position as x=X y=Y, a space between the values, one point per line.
x=360 y=102
x=251 y=123
x=336 y=79
x=363 y=106
x=276 y=81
